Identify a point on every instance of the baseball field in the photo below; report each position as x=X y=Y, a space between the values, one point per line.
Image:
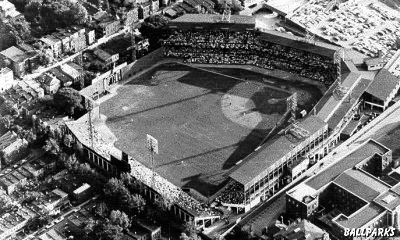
x=204 y=122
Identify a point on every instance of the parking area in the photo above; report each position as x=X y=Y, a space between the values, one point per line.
x=364 y=26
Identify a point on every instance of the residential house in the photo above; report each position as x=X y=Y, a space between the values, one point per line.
x=20 y=60
x=155 y=6
x=65 y=40
x=54 y=44
x=34 y=169
x=7 y=10
x=74 y=74
x=66 y=81
x=78 y=41
x=49 y=83
x=106 y=57
x=153 y=230
x=13 y=146
x=6 y=79
x=106 y=25
x=132 y=16
x=12 y=222
x=33 y=54
x=90 y=36
x=144 y=10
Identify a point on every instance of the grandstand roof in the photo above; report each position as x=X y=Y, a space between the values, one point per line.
x=319 y=48
x=272 y=151
x=349 y=103
x=361 y=217
x=212 y=21
x=367 y=150
x=383 y=84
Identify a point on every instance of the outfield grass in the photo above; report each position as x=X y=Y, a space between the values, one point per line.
x=204 y=122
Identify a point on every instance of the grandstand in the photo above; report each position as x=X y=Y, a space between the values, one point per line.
x=222 y=43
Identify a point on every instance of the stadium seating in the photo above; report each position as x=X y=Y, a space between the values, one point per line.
x=224 y=47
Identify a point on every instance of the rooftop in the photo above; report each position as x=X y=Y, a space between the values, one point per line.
x=383 y=84
x=361 y=217
x=361 y=184
x=302 y=230
x=190 y=21
x=368 y=149
x=15 y=54
x=274 y=150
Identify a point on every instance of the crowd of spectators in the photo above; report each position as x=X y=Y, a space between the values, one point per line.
x=169 y=192
x=247 y=48
x=233 y=194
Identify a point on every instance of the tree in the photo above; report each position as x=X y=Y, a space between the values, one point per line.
x=101 y=209
x=154 y=28
x=68 y=140
x=20 y=29
x=52 y=146
x=107 y=231
x=189 y=232
x=68 y=100
x=88 y=226
x=120 y=218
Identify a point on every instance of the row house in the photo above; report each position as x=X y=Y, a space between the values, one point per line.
x=54 y=44
x=49 y=83
x=106 y=25
x=144 y=10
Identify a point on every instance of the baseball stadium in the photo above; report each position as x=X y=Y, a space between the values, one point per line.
x=225 y=110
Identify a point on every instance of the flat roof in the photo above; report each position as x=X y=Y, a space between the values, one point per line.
x=212 y=21
x=383 y=84
x=368 y=149
x=361 y=217
x=361 y=185
x=15 y=54
x=389 y=200
x=349 y=81
x=272 y=151
x=347 y=105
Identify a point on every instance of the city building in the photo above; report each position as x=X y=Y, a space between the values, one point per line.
x=106 y=25
x=14 y=221
x=20 y=60
x=106 y=57
x=54 y=44
x=49 y=83
x=132 y=16
x=73 y=73
x=7 y=10
x=303 y=230
x=374 y=63
x=152 y=230
x=66 y=81
x=144 y=10
x=358 y=191
x=382 y=90
x=6 y=79
x=155 y=6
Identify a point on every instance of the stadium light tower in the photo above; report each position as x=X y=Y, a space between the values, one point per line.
x=152 y=146
x=90 y=124
x=340 y=90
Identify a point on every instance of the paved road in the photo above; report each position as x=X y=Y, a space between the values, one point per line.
x=100 y=41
